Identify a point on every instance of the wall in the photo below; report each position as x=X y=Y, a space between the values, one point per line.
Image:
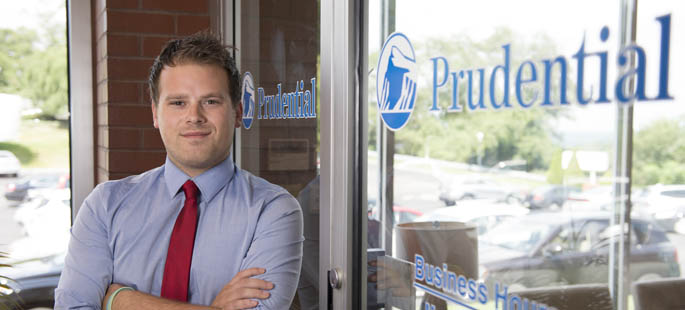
x=128 y=35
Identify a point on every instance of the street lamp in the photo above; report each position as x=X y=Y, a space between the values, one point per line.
x=480 y=135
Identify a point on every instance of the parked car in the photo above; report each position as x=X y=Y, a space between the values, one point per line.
x=9 y=164
x=477 y=189
x=484 y=214
x=549 y=196
x=400 y=214
x=45 y=214
x=32 y=283
x=545 y=249
x=666 y=203
x=19 y=191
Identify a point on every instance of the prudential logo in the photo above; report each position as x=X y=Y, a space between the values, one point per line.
x=248 y=100
x=396 y=81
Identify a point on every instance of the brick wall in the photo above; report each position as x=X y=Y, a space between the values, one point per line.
x=128 y=35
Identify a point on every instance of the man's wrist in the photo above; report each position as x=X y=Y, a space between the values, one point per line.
x=114 y=294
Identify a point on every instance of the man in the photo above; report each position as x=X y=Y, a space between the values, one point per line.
x=197 y=232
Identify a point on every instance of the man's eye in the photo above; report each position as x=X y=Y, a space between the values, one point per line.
x=213 y=101
x=176 y=103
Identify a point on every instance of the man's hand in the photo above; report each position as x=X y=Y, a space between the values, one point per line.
x=242 y=290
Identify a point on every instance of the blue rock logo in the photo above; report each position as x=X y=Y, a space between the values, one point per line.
x=248 y=100
x=396 y=81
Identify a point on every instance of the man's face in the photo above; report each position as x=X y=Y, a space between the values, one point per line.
x=195 y=116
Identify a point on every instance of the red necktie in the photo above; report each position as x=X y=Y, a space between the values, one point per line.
x=180 y=254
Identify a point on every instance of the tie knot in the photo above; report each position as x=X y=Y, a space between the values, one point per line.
x=190 y=190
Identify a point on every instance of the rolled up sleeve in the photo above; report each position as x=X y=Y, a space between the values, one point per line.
x=88 y=265
x=277 y=247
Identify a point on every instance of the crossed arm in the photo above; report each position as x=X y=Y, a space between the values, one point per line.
x=240 y=293
x=87 y=280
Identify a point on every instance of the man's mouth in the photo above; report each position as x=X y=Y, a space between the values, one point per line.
x=195 y=134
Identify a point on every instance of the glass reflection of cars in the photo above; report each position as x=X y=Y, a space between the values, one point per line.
x=477 y=188
x=550 y=197
x=484 y=214
x=592 y=199
x=545 y=249
x=32 y=283
x=46 y=213
x=666 y=203
x=18 y=191
x=400 y=214
x=9 y=164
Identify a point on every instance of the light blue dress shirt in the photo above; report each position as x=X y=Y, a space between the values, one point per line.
x=122 y=231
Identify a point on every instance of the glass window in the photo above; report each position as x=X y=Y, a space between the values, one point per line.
x=35 y=206
x=545 y=115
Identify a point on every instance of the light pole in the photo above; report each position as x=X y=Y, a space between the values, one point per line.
x=480 y=135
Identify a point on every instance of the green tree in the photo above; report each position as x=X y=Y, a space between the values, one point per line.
x=15 y=47
x=44 y=81
x=658 y=152
x=35 y=66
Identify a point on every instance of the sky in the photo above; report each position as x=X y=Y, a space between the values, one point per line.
x=567 y=23
x=30 y=13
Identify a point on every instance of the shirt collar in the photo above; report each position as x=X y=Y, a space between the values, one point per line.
x=209 y=182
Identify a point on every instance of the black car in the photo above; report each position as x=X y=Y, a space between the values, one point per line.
x=32 y=283
x=19 y=191
x=546 y=249
x=549 y=196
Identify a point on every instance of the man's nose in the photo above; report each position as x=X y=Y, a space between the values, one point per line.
x=196 y=113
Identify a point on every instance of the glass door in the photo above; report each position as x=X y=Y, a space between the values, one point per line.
x=523 y=154
x=279 y=56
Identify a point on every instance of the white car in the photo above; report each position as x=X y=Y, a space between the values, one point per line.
x=478 y=188
x=45 y=214
x=9 y=164
x=484 y=214
x=665 y=203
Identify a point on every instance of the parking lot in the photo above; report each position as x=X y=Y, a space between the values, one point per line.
x=10 y=230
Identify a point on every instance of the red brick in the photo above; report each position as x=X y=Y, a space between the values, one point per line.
x=192 y=24
x=153 y=45
x=122 y=4
x=201 y=6
x=119 y=176
x=128 y=69
x=122 y=45
x=147 y=100
x=123 y=92
x=134 y=161
x=152 y=140
x=140 y=22
x=122 y=138
x=119 y=115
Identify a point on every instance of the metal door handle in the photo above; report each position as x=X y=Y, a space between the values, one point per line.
x=335 y=278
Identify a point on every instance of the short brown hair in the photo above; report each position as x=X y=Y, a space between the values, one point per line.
x=200 y=48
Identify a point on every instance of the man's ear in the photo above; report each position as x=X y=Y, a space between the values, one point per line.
x=154 y=115
x=239 y=114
